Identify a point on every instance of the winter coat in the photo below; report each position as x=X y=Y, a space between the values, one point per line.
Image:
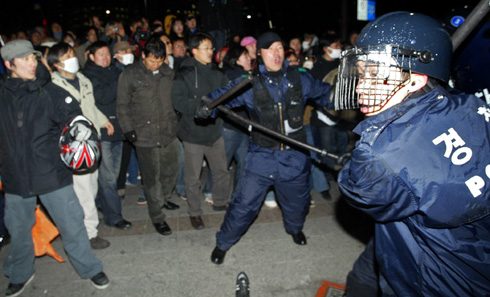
x=420 y=170
x=104 y=81
x=194 y=80
x=85 y=97
x=144 y=105
x=32 y=116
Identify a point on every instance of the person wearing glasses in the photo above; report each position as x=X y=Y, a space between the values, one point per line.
x=196 y=77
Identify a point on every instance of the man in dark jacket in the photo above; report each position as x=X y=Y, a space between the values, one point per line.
x=195 y=78
x=104 y=77
x=33 y=113
x=148 y=120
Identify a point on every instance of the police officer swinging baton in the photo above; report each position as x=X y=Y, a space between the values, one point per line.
x=227 y=111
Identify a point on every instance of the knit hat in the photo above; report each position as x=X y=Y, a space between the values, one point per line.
x=189 y=17
x=267 y=39
x=122 y=46
x=18 y=49
x=248 y=40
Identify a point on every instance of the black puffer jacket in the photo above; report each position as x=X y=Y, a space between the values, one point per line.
x=194 y=80
x=104 y=80
x=32 y=116
x=144 y=105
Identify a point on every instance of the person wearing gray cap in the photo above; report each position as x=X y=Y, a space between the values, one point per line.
x=32 y=116
x=277 y=101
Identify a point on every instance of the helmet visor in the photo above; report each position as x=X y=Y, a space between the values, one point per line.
x=368 y=77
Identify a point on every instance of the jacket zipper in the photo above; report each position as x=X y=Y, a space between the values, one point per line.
x=281 y=123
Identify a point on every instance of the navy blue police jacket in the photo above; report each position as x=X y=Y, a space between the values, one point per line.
x=421 y=169
x=285 y=164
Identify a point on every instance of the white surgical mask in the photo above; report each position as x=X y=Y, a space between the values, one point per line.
x=72 y=44
x=71 y=65
x=127 y=59
x=308 y=64
x=335 y=54
x=305 y=45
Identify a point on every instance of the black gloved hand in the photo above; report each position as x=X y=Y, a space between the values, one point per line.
x=202 y=111
x=131 y=136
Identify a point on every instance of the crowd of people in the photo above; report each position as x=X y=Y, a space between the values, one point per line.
x=141 y=84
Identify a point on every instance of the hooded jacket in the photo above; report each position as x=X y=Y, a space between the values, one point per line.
x=32 y=117
x=194 y=80
x=420 y=170
x=144 y=105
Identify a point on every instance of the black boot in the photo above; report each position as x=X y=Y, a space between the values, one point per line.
x=218 y=256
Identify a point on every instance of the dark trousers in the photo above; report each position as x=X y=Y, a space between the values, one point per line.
x=158 y=168
x=216 y=156
x=292 y=194
x=125 y=157
x=362 y=280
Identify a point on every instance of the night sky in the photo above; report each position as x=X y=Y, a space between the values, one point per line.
x=288 y=17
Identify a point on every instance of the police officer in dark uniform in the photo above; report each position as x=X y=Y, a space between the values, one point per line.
x=276 y=100
x=421 y=166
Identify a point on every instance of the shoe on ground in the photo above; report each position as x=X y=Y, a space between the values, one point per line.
x=4 y=240
x=208 y=199
x=183 y=197
x=197 y=222
x=270 y=203
x=100 y=280
x=242 y=285
x=220 y=208
x=218 y=256
x=170 y=205
x=312 y=203
x=299 y=238
x=326 y=195
x=123 y=225
x=141 y=200
x=98 y=243
x=163 y=228
x=17 y=289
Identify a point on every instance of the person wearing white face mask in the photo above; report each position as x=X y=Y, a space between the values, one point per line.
x=62 y=61
x=123 y=54
x=329 y=59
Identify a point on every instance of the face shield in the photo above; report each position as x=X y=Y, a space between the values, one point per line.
x=370 y=76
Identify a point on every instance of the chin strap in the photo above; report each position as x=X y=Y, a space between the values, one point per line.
x=431 y=84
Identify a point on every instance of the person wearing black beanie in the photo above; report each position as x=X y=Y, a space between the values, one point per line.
x=277 y=101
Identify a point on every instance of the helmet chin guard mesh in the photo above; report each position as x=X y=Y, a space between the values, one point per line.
x=369 y=76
